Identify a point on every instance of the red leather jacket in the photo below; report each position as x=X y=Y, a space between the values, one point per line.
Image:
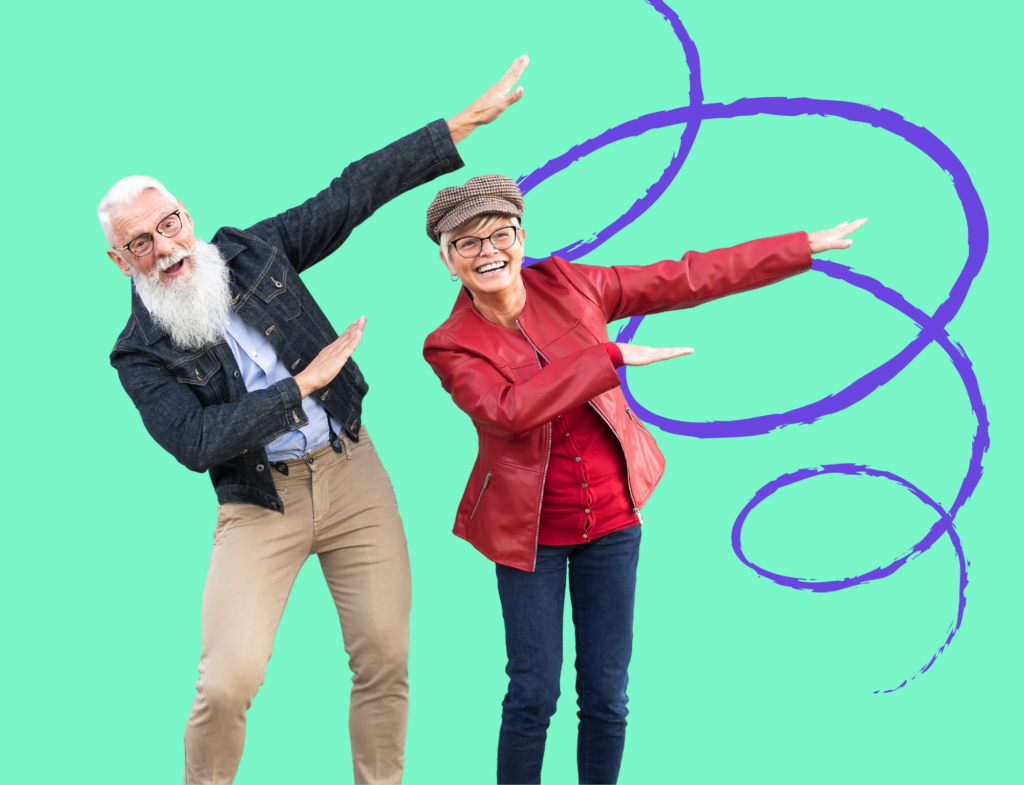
x=493 y=374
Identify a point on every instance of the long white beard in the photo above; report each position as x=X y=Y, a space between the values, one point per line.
x=192 y=308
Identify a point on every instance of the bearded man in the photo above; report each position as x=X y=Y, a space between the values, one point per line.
x=236 y=371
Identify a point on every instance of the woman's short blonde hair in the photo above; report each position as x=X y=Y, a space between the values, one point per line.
x=472 y=226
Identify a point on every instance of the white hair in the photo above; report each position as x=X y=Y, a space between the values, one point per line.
x=124 y=193
x=192 y=308
x=473 y=225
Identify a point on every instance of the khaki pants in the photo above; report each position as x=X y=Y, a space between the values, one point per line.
x=341 y=507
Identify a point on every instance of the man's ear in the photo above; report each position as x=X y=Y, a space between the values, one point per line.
x=115 y=257
x=188 y=217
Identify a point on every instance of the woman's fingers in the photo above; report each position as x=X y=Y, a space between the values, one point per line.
x=645 y=355
x=832 y=239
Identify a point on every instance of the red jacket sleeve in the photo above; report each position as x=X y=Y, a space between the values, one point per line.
x=614 y=354
x=638 y=290
x=511 y=410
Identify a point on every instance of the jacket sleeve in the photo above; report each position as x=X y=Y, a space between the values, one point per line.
x=638 y=290
x=510 y=410
x=201 y=437
x=317 y=228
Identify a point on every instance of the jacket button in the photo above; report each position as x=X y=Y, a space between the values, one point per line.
x=259 y=467
x=237 y=374
x=275 y=506
x=336 y=444
x=278 y=284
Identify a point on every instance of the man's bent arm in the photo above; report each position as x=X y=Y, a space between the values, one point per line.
x=203 y=437
x=315 y=229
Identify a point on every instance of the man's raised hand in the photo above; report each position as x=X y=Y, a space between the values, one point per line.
x=328 y=363
x=488 y=107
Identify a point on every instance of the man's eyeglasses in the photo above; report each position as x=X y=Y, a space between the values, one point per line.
x=143 y=244
x=470 y=247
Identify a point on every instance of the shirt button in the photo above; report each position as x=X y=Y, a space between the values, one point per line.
x=566 y=434
x=237 y=374
x=253 y=354
x=587 y=511
x=584 y=485
x=584 y=536
x=578 y=460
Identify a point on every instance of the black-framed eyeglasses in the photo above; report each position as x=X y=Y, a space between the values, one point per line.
x=143 y=244
x=469 y=247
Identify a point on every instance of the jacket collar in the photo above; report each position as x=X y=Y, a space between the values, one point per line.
x=151 y=331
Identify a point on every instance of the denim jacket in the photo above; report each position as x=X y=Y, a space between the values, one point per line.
x=194 y=403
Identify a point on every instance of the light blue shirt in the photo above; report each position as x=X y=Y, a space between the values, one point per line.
x=260 y=368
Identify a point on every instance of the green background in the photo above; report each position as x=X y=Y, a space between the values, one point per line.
x=246 y=109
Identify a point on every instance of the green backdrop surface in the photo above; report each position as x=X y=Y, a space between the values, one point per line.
x=245 y=109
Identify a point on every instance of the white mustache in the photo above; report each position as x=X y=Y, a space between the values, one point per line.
x=166 y=262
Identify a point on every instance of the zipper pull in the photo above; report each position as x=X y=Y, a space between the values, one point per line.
x=487 y=480
x=636 y=512
x=632 y=418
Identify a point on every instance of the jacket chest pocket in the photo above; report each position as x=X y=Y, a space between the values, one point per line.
x=202 y=372
x=273 y=288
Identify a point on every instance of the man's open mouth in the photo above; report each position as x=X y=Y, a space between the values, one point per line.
x=490 y=268
x=174 y=269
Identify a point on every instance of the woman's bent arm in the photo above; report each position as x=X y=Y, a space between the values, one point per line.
x=511 y=410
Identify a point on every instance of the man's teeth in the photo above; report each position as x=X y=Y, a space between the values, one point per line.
x=488 y=267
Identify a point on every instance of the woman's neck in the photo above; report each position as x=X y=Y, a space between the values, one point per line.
x=504 y=307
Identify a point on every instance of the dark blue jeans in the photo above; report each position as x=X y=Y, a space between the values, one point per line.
x=602 y=586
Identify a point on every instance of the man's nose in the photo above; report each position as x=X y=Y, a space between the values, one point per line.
x=163 y=246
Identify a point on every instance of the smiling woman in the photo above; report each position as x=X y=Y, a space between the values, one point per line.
x=564 y=465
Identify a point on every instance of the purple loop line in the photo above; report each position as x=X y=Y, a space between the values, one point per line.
x=931 y=328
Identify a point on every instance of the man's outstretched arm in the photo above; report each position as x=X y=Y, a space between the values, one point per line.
x=315 y=229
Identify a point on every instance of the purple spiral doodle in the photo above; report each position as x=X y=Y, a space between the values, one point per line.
x=932 y=329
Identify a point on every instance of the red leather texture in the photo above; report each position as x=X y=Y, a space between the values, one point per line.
x=493 y=374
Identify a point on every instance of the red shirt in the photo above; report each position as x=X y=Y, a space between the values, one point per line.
x=586 y=491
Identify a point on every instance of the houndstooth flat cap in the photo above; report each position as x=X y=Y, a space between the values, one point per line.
x=491 y=193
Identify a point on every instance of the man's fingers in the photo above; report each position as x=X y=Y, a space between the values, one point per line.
x=513 y=73
x=514 y=96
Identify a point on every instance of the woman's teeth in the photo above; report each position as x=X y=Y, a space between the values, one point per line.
x=490 y=267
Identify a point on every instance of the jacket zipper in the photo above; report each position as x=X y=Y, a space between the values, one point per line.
x=487 y=481
x=636 y=419
x=547 y=460
x=629 y=485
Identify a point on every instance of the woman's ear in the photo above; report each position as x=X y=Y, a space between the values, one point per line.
x=447 y=264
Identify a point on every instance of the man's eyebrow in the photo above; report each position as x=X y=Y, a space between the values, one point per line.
x=135 y=233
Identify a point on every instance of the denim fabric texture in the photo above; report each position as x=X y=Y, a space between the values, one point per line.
x=195 y=404
x=602 y=587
